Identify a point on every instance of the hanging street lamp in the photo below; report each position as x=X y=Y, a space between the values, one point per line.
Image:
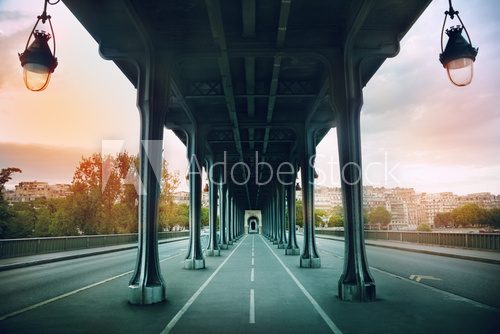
x=37 y=60
x=459 y=55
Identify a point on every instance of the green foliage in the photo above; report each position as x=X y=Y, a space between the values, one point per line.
x=337 y=218
x=299 y=214
x=379 y=215
x=205 y=219
x=5 y=176
x=423 y=227
x=103 y=200
x=468 y=215
x=443 y=219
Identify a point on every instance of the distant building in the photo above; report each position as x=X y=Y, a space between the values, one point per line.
x=32 y=190
x=407 y=207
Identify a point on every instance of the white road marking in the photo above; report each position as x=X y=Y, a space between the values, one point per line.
x=253 y=254
x=252 y=308
x=252 y=276
x=191 y=300
x=418 y=278
x=253 y=263
x=314 y=303
x=443 y=292
x=67 y=294
x=446 y=293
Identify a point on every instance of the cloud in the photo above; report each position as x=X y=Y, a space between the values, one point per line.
x=11 y=15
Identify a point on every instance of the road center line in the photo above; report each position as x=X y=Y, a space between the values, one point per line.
x=314 y=303
x=252 y=276
x=67 y=294
x=191 y=300
x=252 y=308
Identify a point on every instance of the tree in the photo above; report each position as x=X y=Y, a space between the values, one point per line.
x=468 y=214
x=379 y=215
x=299 y=214
x=337 y=217
x=443 y=219
x=169 y=211
x=9 y=227
x=493 y=218
x=423 y=227
x=5 y=174
x=319 y=215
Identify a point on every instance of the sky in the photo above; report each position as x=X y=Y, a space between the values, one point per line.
x=418 y=130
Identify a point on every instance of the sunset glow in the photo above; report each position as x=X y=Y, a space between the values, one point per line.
x=439 y=137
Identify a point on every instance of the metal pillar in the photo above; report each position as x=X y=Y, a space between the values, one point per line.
x=291 y=248
x=233 y=221
x=194 y=258
x=356 y=281
x=280 y=215
x=309 y=257
x=346 y=94
x=146 y=285
x=222 y=213
x=229 y=217
x=213 y=246
x=275 y=219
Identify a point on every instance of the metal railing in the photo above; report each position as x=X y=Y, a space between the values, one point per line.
x=33 y=246
x=481 y=241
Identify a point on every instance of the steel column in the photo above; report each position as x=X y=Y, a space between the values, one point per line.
x=292 y=247
x=309 y=257
x=356 y=281
x=194 y=258
x=223 y=212
x=213 y=246
x=146 y=285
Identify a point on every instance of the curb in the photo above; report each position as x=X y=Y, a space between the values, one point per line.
x=422 y=251
x=76 y=256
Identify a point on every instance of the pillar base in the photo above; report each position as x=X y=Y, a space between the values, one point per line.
x=310 y=262
x=292 y=251
x=223 y=246
x=357 y=292
x=145 y=295
x=281 y=245
x=275 y=242
x=230 y=242
x=194 y=264
x=212 y=252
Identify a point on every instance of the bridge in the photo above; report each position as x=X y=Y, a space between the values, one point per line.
x=250 y=87
x=254 y=287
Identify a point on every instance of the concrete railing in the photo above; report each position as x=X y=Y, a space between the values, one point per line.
x=32 y=246
x=482 y=241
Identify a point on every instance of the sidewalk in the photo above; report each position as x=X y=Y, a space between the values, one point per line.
x=33 y=260
x=459 y=253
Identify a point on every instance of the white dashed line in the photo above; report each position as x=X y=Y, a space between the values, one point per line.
x=253 y=263
x=252 y=275
x=252 y=308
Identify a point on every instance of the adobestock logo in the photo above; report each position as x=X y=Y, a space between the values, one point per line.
x=258 y=172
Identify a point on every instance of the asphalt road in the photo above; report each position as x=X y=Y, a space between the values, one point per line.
x=471 y=279
x=253 y=288
x=20 y=288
